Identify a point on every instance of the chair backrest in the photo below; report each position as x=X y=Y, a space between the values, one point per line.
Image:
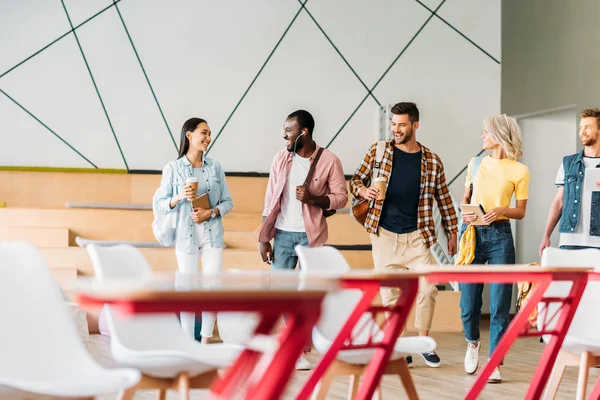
x=143 y=333
x=338 y=305
x=38 y=338
x=585 y=325
x=121 y=261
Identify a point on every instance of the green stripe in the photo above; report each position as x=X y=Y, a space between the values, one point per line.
x=94 y=82
x=145 y=74
x=459 y=32
x=255 y=78
x=47 y=127
x=57 y=39
x=62 y=169
x=385 y=73
x=339 y=53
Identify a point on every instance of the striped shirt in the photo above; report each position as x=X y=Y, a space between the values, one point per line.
x=433 y=186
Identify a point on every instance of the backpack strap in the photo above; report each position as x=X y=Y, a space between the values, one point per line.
x=379 y=153
x=313 y=165
x=474 y=170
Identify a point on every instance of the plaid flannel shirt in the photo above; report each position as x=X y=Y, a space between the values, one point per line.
x=433 y=185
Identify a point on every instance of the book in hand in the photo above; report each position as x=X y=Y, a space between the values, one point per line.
x=201 y=202
x=475 y=209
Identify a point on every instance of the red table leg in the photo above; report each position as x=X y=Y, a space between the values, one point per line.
x=293 y=340
x=595 y=395
x=396 y=321
x=519 y=325
x=546 y=363
x=237 y=374
x=369 y=292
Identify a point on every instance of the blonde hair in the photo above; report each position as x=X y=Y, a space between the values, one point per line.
x=505 y=132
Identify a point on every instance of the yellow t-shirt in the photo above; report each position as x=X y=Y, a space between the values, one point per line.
x=496 y=181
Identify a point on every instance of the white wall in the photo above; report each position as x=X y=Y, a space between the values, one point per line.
x=201 y=56
x=547 y=138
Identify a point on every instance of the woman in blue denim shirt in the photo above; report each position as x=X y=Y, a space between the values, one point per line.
x=199 y=231
x=498 y=177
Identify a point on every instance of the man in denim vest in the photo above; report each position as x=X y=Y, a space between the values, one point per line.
x=579 y=215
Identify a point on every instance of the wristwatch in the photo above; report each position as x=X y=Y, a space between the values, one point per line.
x=213 y=214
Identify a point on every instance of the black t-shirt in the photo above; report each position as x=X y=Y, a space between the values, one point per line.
x=399 y=214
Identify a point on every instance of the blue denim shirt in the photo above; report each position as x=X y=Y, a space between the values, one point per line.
x=173 y=182
x=574 y=168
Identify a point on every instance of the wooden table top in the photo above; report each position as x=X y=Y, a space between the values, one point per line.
x=175 y=286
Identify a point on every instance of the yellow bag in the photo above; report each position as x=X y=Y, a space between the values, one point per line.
x=525 y=289
x=466 y=247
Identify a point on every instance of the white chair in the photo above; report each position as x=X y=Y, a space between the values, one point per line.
x=41 y=352
x=581 y=346
x=155 y=344
x=337 y=307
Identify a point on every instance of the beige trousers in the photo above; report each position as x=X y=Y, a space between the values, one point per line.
x=392 y=251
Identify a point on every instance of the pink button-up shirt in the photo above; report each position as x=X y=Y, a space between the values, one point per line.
x=328 y=180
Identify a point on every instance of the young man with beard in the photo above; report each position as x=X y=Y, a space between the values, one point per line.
x=579 y=228
x=293 y=214
x=401 y=226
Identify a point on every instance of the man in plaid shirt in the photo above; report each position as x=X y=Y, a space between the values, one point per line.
x=401 y=226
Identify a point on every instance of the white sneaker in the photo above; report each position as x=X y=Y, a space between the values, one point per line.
x=495 y=376
x=472 y=358
x=303 y=364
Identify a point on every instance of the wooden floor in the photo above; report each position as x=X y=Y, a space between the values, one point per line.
x=447 y=382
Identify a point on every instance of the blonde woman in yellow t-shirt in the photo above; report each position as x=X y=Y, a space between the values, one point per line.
x=498 y=177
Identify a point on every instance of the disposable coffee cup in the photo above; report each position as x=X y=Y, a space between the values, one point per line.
x=379 y=183
x=193 y=183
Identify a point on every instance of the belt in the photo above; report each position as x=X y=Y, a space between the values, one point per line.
x=497 y=222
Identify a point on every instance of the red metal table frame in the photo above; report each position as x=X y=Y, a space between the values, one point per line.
x=301 y=309
x=595 y=394
x=369 y=284
x=519 y=326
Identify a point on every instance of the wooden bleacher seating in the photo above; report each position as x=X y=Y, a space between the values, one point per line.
x=37 y=213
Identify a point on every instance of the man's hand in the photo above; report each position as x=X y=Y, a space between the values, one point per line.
x=200 y=215
x=545 y=243
x=369 y=193
x=452 y=238
x=304 y=195
x=266 y=252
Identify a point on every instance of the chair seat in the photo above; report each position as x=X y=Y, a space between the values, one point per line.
x=85 y=384
x=168 y=363
x=403 y=346
x=576 y=345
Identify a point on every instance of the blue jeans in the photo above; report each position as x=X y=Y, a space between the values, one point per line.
x=284 y=255
x=495 y=246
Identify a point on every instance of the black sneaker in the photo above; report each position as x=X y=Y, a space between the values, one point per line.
x=409 y=361
x=431 y=359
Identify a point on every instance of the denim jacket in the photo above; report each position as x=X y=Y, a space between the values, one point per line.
x=173 y=182
x=574 y=168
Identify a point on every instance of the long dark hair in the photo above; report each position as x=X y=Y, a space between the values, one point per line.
x=189 y=125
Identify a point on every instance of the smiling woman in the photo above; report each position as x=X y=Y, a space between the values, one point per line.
x=197 y=229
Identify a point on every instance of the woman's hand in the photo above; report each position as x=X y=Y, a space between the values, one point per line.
x=493 y=215
x=468 y=217
x=200 y=215
x=189 y=193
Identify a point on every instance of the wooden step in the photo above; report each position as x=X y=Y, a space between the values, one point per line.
x=162 y=259
x=64 y=276
x=38 y=236
x=136 y=225
x=60 y=187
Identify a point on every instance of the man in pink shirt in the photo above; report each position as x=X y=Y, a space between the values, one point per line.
x=293 y=214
